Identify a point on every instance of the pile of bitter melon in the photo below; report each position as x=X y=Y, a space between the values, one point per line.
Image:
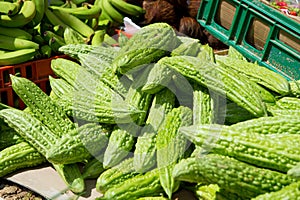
x=159 y=113
x=35 y=29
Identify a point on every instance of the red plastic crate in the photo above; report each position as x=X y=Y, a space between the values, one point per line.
x=37 y=71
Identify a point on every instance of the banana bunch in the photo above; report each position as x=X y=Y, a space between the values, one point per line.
x=34 y=29
x=113 y=11
x=16 y=45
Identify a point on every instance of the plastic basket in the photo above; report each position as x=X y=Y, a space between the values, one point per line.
x=261 y=33
x=37 y=71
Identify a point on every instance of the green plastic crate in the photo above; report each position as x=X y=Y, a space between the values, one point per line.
x=261 y=33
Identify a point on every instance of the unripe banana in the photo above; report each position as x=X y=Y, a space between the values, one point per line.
x=83 y=12
x=74 y=23
x=11 y=43
x=8 y=8
x=78 y=1
x=67 y=9
x=46 y=51
x=16 y=57
x=26 y=14
x=49 y=34
x=114 y=14
x=53 y=19
x=15 y=32
x=3 y=51
x=89 y=13
x=55 y=43
x=59 y=30
x=127 y=8
x=40 y=11
x=56 y=2
x=38 y=39
x=72 y=4
x=93 y=23
x=104 y=16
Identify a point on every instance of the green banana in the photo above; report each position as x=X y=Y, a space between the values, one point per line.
x=49 y=34
x=46 y=51
x=9 y=8
x=74 y=23
x=114 y=14
x=11 y=43
x=93 y=23
x=53 y=19
x=89 y=13
x=40 y=6
x=24 y=16
x=82 y=12
x=127 y=8
x=72 y=4
x=15 y=32
x=77 y=2
x=59 y=30
x=38 y=39
x=56 y=2
x=55 y=43
x=3 y=51
x=16 y=57
x=66 y=5
x=104 y=16
x=67 y=9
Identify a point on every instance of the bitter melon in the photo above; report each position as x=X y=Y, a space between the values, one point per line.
x=234 y=176
x=277 y=152
x=225 y=82
x=148 y=45
x=19 y=156
x=145 y=147
x=171 y=145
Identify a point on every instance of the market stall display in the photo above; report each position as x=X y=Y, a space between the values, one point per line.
x=151 y=114
x=100 y=116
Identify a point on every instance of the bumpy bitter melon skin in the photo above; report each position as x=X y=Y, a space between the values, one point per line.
x=8 y=137
x=289 y=124
x=277 y=152
x=41 y=105
x=145 y=147
x=122 y=141
x=148 y=45
x=103 y=71
x=232 y=175
x=73 y=50
x=295 y=88
x=203 y=106
x=291 y=192
x=171 y=145
x=159 y=77
x=189 y=48
x=224 y=82
x=135 y=187
x=88 y=140
x=119 y=146
x=30 y=128
x=285 y=106
x=115 y=175
x=91 y=99
x=19 y=156
x=93 y=168
x=259 y=74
